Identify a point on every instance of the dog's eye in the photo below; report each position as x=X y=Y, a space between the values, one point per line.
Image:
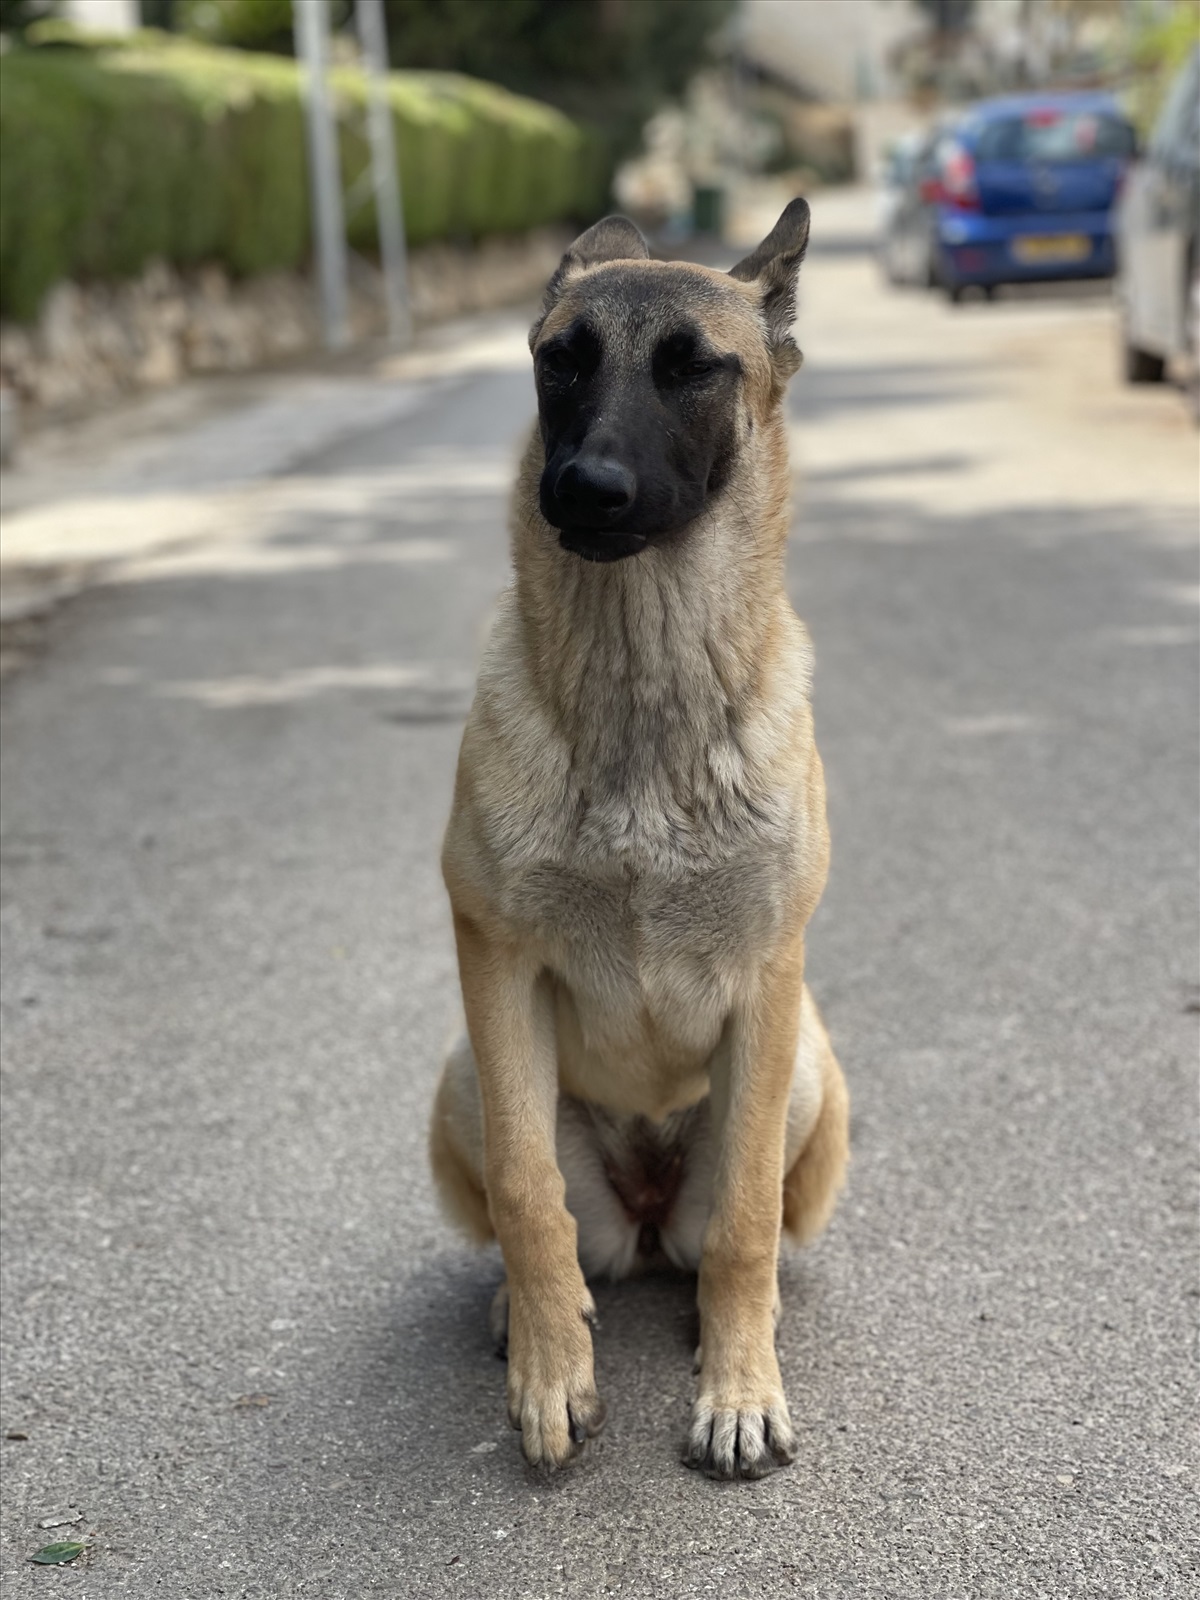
x=695 y=369
x=559 y=362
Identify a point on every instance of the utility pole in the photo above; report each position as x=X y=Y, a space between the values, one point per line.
x=385 y=175
x=311 y=23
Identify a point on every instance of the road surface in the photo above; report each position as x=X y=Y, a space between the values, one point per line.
x=238 y=1337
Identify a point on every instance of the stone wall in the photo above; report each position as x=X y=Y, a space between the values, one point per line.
x=93 y=342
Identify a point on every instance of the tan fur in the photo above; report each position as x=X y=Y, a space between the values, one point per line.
x=637 y=841
x=815 y=1178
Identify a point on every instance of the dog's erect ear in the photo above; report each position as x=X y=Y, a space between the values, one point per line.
x=611 y=239
x=775 y=266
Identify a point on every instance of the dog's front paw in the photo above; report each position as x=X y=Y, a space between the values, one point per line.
x=740 y=1431
x=552 y=1395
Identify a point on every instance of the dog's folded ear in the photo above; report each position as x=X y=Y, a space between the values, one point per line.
x=610 y=239
x=774 y=267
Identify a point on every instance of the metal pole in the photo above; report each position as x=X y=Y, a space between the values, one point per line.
x=385 y=174
x=311 y=23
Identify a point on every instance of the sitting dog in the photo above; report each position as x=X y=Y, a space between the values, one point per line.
x=637 y=842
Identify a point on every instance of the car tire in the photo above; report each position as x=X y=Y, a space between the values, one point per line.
x=1141 y=366
x=1191 y=323
x=954 y=293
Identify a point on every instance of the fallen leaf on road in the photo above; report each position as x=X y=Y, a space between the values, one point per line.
x=245 y=1401
x=53 y=1555
x=16 y=1436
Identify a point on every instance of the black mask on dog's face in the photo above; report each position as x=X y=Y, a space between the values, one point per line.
x=641 y=374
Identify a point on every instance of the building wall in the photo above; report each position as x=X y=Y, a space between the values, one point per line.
x=830 y=49
x=103 y=16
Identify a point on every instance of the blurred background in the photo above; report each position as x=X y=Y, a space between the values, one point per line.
x=155 y=160
x=266 y=277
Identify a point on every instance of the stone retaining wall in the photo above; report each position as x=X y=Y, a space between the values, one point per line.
x=93 y=342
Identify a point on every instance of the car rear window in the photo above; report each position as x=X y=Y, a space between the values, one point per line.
x=1052 y=135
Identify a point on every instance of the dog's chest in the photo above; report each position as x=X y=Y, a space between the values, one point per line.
x=647 y=842
x=650 y=907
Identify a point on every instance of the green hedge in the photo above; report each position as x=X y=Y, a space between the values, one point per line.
x=118 y=153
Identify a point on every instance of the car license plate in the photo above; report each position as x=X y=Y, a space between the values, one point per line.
x=1033 y=247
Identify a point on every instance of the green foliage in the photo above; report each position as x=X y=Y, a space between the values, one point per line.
x=610 y=63
x=613 y=62
x=17 y=15
x=113 y=155
x=1160 y=46
x=245 y=24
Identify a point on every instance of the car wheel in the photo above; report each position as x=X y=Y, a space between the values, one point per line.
x=1191 y=323
x=1141 y=366
x=954 y=293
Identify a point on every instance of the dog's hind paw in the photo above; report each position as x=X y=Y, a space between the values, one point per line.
x=742 y=1442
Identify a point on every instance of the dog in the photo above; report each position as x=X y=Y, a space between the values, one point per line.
x=636 y=843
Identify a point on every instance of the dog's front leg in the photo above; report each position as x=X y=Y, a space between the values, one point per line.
x=551 y=1388
x=740 y=1423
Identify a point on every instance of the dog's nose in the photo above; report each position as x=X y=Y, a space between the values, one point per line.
x=595 y=486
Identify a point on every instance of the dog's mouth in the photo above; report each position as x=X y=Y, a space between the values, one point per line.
x=595 y=545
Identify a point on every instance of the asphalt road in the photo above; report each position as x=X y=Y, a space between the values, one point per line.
x=237 y=1336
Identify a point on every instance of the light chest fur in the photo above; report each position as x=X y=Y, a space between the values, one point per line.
x=640 y=820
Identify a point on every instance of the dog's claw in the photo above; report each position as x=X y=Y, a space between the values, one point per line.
x=583 y=1426
x=746 y=1443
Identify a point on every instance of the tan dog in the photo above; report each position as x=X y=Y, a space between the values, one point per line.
x=637 y=841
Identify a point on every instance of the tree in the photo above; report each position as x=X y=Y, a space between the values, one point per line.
x=948 y=16
x=611 y=62
x=16 y=15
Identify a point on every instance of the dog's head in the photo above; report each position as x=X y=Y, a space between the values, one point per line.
x=651 y=376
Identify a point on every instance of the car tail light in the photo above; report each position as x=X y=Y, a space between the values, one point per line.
x=958 y=179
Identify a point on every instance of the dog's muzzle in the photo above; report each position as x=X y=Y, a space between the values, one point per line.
x=587 y=499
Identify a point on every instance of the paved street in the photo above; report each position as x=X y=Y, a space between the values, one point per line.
x=237 y=1335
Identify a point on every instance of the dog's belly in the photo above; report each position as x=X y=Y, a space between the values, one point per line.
x=646 y=972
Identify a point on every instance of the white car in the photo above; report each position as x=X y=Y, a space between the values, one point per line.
x=1158 y=245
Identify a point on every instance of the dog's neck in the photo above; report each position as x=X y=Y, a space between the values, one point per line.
x=650 y=666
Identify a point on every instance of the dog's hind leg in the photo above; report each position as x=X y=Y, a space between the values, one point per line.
x=607 y=1238
x=456 y=1144
x=818 y=1136
x=816 y=1151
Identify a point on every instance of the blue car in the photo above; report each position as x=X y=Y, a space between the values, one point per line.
x=1023 y=190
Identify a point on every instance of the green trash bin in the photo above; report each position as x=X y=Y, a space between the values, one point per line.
x=708 y=208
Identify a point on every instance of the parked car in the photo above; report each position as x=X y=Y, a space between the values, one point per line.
x=907 y=215
x=1158 y=244
x=1023 y=189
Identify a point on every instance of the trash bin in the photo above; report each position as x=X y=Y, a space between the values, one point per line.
x=708 y=208
x=8 y=425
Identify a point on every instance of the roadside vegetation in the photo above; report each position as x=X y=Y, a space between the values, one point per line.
x=119 y=152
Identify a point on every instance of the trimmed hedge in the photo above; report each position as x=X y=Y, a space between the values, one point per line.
x=113 y=155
